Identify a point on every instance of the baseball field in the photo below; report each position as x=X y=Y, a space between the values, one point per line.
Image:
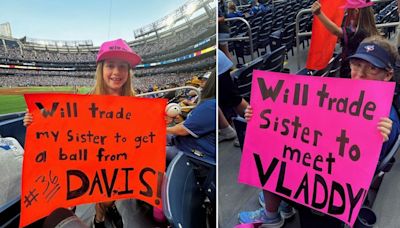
x=12 y=99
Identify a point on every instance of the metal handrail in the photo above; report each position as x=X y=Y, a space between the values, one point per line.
x=389 y=24
x=197 y=90
x=250 y=37
x=298 y=34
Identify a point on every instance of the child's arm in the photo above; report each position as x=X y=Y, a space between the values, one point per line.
x=177 y=130
x=332 y=27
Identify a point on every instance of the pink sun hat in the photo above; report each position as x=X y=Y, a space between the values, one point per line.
x=118 y=49
x=357 y=4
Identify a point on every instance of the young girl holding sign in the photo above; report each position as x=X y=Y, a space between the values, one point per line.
x=373 y=60
x=113 y=77
x=359 y=24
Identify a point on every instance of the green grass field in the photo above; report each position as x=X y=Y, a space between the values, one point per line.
x=11 y=103
x=16 y=103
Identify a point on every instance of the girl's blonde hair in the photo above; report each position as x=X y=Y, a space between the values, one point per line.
x=100 y=87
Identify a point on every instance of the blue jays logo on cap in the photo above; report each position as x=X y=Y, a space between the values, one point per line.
x=374 y=54
x=369 y=48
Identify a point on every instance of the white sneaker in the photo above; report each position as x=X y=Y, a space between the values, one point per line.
x=236 y=142
x=226 y=136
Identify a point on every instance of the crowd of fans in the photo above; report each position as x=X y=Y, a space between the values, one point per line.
x=47 y=56
x=159 y=80
x=19 y=72
x=189 y=66
x=24 y=78
x=40 y=80
x=183 y=50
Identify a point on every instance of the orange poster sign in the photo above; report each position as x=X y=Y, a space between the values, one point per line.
x=88 y=148
x=322 y=41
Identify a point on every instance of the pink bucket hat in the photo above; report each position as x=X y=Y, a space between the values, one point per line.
x=357 y=4
x=118 y=49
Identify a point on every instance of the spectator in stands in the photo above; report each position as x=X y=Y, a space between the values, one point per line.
x=359 y=24
x=197 y=133
x=373 y=60
x=258 y=8
x=232 y=11
x=229 y=98
x=113 y=77
x=223 y=29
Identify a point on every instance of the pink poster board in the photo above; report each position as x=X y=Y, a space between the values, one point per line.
x=315 y=140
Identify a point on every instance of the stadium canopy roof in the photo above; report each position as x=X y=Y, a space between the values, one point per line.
x=58 y=43
x=183 y=12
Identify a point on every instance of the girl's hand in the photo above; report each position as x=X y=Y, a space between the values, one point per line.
x=385 y=127
x=28 y=118
x=316 y=8
x=248 y=113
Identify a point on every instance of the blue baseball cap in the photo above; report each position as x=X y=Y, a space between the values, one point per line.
x=375 y=55
x=224 y=63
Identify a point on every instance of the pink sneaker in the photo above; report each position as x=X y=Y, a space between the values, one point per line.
x=158 y=215
x=248 y=225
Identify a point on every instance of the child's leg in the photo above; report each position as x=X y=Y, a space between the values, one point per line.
x=272 y=201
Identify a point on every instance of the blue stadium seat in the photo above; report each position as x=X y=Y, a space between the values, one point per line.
x=12 y=126
x=244 y=76
x=264 y=34
x=182 y=198
x=274 y=60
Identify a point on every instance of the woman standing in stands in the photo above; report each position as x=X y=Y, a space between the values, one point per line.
x=358 y=25
x=113 y=77
x=374 y=59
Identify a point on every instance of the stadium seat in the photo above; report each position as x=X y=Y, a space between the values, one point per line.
x=284 y=37
x=11 y=125
x=205 y=167
x=264 y=35
x=332 y=69
x=274 y=61
x=244 y=77
x=242 y=48
x=182 y=198
x=10 y=213
x=277 y=23
x=290 y=17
